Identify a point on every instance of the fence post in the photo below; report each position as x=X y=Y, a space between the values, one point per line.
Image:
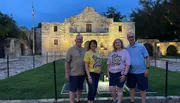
x=54 y=57
x=166 y=83
x=7 y=65
x=59 y=55
x=33 y=61
x=55 y=88
x=155 y=53
x=47 y=57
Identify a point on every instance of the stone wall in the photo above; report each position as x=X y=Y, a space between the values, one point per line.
x=161 y=47
x=165 y=45
x=151 y=43
x=48 y=37
x=104 y=30
x=99 y=23
x=13 y=47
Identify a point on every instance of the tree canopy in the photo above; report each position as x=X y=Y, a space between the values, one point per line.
x=9 y=28
x=113 y=13
x=157 y=19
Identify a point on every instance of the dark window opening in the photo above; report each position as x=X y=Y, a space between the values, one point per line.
x=55 y=28
x=120 y=28
x=88 y=28
x=55 y=42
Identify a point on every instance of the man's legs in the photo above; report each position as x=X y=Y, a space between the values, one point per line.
x=79 y=92
x=143 y=96
x=71 y=96
x=142 y=82
x=73 y=86
x=132 y=94
x=131 y=83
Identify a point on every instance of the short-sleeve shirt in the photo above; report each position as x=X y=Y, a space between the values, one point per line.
x=138 y=54
x=118 y=61
x=94 y=61
x=75 y=58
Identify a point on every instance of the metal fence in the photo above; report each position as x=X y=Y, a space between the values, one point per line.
x=13 y=66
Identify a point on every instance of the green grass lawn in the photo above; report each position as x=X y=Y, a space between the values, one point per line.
x=38 y=83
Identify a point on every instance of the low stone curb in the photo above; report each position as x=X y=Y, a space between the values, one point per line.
x=149 y=99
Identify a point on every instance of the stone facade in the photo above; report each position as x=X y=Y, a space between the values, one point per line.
x=164 y=45
x=157 y=47
x=13 y=48
x=58 y=37
x=26 y=44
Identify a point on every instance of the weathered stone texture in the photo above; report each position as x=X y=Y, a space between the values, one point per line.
x=103 y=29
x=12 y=47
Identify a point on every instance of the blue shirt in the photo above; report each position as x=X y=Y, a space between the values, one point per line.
x=138 y=54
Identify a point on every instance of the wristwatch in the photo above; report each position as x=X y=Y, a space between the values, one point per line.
x=147 y=67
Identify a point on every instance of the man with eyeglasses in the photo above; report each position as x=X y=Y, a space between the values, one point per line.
x=139 y=69
x=75 y=69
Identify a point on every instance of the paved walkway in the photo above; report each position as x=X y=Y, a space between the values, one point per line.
x=149 y=99
x=23 y=63
x=172 y=64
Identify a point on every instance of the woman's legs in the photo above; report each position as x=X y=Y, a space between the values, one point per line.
x=93 y=87
x=120 y=94
x=113 y=92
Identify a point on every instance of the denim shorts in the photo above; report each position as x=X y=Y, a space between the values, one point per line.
x=76 y=83
x=115 y=80
x=139 y=79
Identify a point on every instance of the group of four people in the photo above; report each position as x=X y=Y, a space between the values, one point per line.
x=123 y=64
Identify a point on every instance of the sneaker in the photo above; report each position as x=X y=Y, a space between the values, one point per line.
x=78 y=101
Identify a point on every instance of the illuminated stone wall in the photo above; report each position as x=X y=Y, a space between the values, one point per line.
x=161 y=47
x=104 y=30
x=165 y=45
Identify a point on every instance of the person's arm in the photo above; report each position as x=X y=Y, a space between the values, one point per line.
x=108 y=66
x=147 y=62
x=67 y=65
x=146 y=55
x=66 y=71
x=126 y=70
x=87 y=72
x=86 y=60
x=127 y=65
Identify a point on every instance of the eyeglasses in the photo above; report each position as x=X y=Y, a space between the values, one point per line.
x=130 y=36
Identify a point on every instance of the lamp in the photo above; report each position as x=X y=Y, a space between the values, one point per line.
x=158 y=44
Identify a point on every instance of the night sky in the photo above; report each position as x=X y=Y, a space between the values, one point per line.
x=58 y=10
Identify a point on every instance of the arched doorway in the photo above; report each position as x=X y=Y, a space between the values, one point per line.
x=171 y=50
x=149 y=48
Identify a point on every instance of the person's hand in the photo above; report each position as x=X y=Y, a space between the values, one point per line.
x=67 y=77
x=108 y=75
x=90 y=80
x=122 y=78
x=146 y=72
